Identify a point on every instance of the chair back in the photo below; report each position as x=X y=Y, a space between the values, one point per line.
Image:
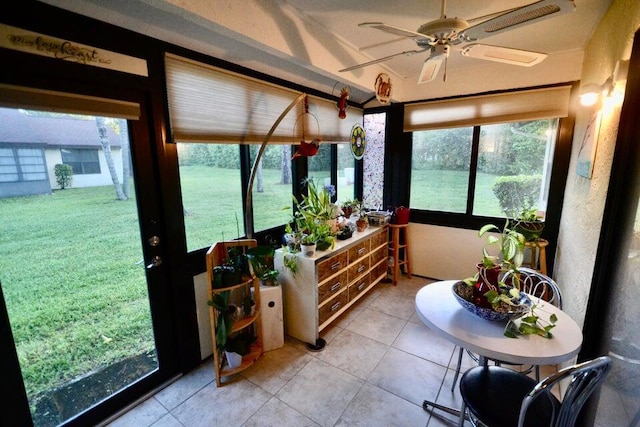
x=584 y=378
x=537 y=284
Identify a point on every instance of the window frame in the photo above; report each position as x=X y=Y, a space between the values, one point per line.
x=82 y=163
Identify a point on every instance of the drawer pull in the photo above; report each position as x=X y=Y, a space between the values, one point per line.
x=362 y=285
x=335 y=286
x=361 y=251
x=335 y=306
x=361 y=268
x=335 y=265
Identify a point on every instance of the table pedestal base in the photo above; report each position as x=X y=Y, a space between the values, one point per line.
x=448 y=410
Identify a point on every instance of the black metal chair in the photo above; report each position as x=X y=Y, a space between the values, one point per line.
x=534 y=283
x=500 y=397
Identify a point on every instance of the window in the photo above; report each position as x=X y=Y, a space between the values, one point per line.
x=22 y=164
x=346 y=173
x=211 y=185
x=440 y=169
x=320 y=167
x=272 y=186
x=82 y=161
x=510 y=173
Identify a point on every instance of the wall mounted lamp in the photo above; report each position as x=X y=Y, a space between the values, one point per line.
x=591 y=93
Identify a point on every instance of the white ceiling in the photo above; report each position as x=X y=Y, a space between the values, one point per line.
x=309 y=41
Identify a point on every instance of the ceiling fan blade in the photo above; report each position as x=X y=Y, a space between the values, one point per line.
x=519 y=17
x=386 y=58
x=430 y=69
x=396 y=30
x=507 y=55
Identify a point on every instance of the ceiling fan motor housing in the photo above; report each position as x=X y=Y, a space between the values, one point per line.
x=443 y=30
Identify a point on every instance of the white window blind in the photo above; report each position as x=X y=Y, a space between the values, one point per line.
x=524 y=105
x=61 y=102
x=209 y=104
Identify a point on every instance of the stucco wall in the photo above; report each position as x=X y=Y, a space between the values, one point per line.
x=585 y=198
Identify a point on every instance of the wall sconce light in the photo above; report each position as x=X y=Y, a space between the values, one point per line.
x=591 y=93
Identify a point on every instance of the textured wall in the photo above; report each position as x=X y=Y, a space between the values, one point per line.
x=585 y=198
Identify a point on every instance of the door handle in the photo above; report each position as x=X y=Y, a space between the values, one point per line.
x=155 y=261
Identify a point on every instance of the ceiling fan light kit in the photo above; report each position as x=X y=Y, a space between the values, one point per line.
x=440 y=35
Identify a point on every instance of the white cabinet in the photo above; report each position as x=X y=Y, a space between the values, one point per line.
x=327 y=284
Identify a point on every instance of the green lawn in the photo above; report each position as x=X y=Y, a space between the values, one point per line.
x=445 y=190
x=72 y=271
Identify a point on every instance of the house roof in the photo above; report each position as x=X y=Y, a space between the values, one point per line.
x=16 y=126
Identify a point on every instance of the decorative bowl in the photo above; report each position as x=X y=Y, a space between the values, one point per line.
x=378 y=217
x=488 y=313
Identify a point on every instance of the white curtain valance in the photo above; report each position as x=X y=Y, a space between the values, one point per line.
x=62 y=102
x=523 y=105
x=209 y=104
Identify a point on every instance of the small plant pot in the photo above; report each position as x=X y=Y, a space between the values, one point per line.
x=347 y=212
x=308 y=250
x=233 y=359
x=362 y=225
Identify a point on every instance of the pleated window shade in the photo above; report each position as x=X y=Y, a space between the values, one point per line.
x=524 y=105
x=212 y=105
x=62 y=102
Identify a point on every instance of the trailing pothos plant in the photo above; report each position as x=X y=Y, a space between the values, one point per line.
x=511 y=245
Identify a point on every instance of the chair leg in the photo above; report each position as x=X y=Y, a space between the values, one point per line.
x=463 y=411
x=455 y=376
x=537 y=373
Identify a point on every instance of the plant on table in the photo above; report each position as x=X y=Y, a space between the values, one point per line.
x=486 y=288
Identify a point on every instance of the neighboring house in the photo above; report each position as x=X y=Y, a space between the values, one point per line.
x=31 y=145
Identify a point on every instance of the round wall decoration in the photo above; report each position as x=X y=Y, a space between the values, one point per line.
x=358 y=141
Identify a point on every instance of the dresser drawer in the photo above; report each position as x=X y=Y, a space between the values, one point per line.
x=358 y=251
x=379 y=270
x=332 y=306
x=358 y=269
x=332 y=287
x=331 y=266
x=379 y=255
x=358 y=286
x=379 y=239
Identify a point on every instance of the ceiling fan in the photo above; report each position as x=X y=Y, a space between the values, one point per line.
x=437 y=37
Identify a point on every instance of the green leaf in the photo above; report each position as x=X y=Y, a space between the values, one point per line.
x=486 y=228
x=553 y=318
x=530 y=319
x=492 y=296
x=515 y=293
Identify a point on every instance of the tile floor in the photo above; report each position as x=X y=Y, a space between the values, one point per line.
x=379 y=364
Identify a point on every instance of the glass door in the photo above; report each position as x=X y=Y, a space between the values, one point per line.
x=75 y=271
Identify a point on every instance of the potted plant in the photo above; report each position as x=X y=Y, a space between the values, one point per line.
x=348 y=207
x=225 y=317
x=315 y=218
x=308 y=245
x=529 y=224
x=487 y=289
x=362 y=221
x=238 y=345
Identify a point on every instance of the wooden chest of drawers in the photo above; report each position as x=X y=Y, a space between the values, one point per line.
x=325 y=286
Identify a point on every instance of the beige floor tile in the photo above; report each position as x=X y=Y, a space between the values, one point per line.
x=374 y=407
x=145 y=414
x=353 y=353
x=275 y=413
x=320 y=391
x=408 y=376
x=232 y=404
x=395 y=305
x=275 y=368
x=378 y=326
x=422 y=342
x=179 y=391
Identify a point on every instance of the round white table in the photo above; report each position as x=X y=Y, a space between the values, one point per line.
x=438 y=309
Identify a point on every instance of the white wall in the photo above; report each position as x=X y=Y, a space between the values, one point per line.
x=442 y=252
x=53 y=157
x=585 y=198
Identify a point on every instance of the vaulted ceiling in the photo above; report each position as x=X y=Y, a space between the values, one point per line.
x=309 y=41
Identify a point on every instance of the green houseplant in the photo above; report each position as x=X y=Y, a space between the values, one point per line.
x=529 y=224
x=486 y=288
x=315 y=217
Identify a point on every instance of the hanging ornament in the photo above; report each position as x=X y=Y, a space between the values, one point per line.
x=383 y=88
x=306 y=149
x=358 y=141
x=342 y=103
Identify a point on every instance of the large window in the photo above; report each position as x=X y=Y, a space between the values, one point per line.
x=272 y=186
x=440 y=169
x=509 y=173
x=21 y=164
x=346 y=173
x=83 y=161
x=211 y=193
